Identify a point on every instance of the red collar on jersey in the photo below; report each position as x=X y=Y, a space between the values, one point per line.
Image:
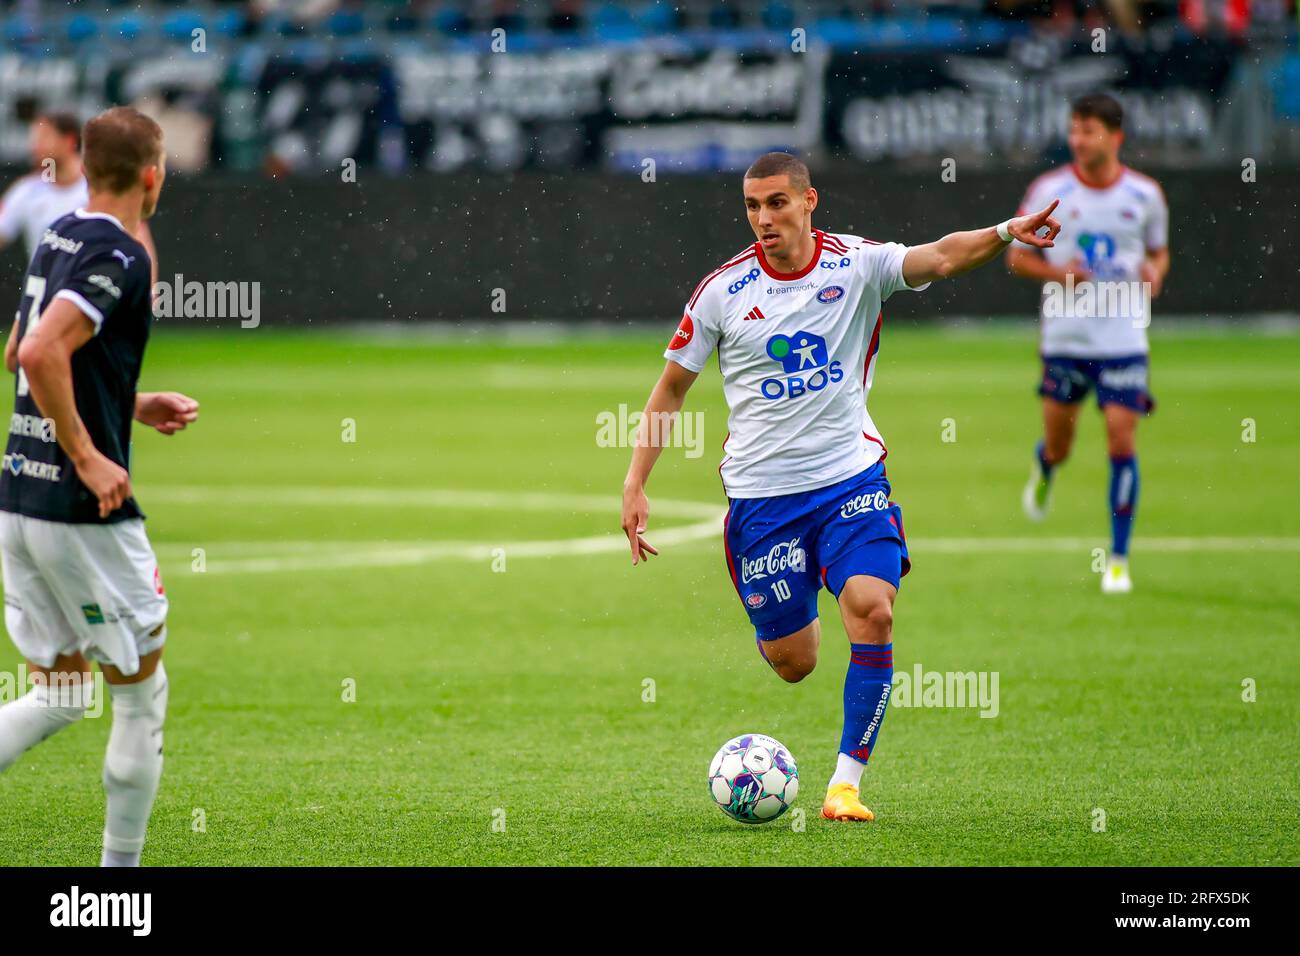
x=790 y=276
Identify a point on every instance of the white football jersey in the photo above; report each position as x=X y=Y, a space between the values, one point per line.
x=797 y=353
x=31 y=204
x=1109 y=231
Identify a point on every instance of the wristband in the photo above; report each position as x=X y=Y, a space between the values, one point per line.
x=1003 y=233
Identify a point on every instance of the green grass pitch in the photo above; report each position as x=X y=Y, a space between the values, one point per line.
x=499 y=714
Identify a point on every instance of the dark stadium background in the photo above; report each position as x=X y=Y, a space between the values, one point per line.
x=379 y=161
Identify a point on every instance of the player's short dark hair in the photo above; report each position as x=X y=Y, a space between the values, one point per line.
x=65 y=124
x=781 y=164
x=1100 y=106
x=120 y=143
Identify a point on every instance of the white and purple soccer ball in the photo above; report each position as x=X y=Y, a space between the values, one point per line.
x=753 y=778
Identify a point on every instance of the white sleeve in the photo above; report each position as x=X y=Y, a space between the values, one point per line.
x=884 y=265
x=697 y=334
x=1156 y=233
x=11 y=214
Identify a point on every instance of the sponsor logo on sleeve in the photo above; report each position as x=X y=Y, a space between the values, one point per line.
x=682 y=337
x=105 y=283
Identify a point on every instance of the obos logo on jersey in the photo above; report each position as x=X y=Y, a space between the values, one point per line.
x=806 y=365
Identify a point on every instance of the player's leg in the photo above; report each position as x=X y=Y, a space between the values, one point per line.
x=134 y=759
x=105 y=578
x=793 y=656
x=60 y=695
x=1121 y=445
x=863 y=553
x=1063 y=387
x=767 y=558
x=867 y=609
x=1123 y=396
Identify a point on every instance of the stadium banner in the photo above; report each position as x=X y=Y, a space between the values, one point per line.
x=1012 y=100
x=618 y=109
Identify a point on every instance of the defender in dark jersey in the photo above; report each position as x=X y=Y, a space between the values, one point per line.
x=80 y=578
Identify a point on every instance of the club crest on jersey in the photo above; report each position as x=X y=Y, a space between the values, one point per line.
x=784 y=556
x=685 y=332
x=756 y=600
x=831 y=293
x=805 y=362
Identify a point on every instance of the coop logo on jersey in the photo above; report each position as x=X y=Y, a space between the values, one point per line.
x=806 y=365
x=685 y=332
x=876 y=501
x=743 y=281
x=21 y=466
x=831 y=293
x=786 y=556
x=831 y=264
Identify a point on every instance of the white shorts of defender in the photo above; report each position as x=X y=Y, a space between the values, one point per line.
x=93 y=588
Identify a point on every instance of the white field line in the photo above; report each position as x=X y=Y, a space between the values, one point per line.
x=340 y=555
x=280 y=495
x=257 y=557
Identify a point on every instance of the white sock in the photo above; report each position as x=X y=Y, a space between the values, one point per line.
x=41 y=712
x=133 y=763
x=847 y=770
x=113 y=858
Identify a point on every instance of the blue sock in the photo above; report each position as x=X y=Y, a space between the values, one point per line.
x=1123 y=502
x=866 y=694
x=1042 y=462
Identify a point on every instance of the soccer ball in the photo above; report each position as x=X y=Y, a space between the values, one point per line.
x=753 y=778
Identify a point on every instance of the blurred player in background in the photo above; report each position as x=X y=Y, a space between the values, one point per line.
x=55 y=188
x=1110 y=260
x=795 y=319
x=80 y=578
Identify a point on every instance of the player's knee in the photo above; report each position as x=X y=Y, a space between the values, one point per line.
x=1121 y=446
x=795 y=669
x=1056 y=451
x=873 y=620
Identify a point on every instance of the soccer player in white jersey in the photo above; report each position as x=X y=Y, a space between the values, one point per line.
x=1110 y=260
x=795 y=319
x=54 y=189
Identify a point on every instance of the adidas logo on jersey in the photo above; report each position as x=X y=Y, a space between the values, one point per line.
x=754 y=313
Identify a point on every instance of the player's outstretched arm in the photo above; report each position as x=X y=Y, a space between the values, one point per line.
x=660 y=414
x=960 y=252
x=169 y=412
x=45 y=355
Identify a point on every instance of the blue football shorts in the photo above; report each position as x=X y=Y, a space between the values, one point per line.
x=782 y=550
x=1118 y=381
